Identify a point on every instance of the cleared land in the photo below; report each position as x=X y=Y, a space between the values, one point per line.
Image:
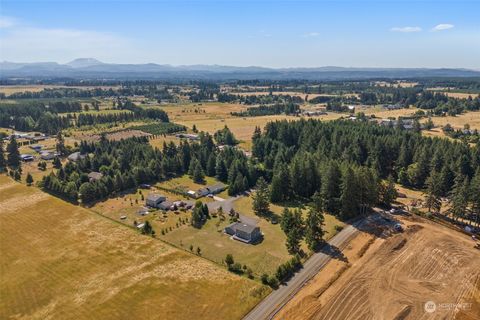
x=64 y=262
x=391 y=277
x=472 y=118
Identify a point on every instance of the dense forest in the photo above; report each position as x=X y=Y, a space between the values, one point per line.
x=353 y=165
x=159 y=93
x=266 y=110
x=128 y=163
x=48 y=118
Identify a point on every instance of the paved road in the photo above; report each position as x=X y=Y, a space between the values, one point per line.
x=274 y=302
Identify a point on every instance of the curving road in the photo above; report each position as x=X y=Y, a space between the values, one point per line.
x=274 y=302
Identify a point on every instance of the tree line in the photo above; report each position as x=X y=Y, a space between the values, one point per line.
x=353 y=165
x=127 y=163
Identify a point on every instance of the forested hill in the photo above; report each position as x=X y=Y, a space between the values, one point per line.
x=101 y=70
x=307 y=156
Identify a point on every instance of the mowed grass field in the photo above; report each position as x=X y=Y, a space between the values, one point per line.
x=60 y=261
x=213 y=116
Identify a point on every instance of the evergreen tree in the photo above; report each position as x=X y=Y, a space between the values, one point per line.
x=474 y=195
x=87 y=192
x=433 y=192
x=3 y=161
x=198 y=175
x=221 y=172
x=330 y=190
x=13 y=158
x=349 y=195
x=313 y=231
x=57 y=164
x=459 y=197
x=211 y=164
x=261 y=205
x=388 y=192
x=60 y=146
x=29 y=179
x=198 y=216
x=292 y=224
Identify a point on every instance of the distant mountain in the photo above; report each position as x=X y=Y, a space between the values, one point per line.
x=90 y=68
x=84 y=62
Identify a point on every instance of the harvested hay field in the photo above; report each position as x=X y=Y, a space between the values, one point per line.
x=395 y=277
x=457 y=122
x=61 y=261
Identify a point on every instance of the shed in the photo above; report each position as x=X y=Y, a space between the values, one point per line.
x=47 y=155
x=216 y=188
x=94 y=176
x=165 y=205
x=76 y=156
x=27 y=157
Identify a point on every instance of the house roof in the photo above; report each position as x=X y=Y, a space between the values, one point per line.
x=155 y=197
x=95 y=175
x=217 y=186
x=76 y=156
x=166 y=204
x=248 y=228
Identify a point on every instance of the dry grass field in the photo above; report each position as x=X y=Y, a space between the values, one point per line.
x=383 y=113
x=393 y=277
x=64 y=262
x=211 y=117
x=8 y=90
x=472 y=118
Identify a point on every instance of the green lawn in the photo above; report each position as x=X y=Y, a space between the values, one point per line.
x=186 y=183
x=264 y=257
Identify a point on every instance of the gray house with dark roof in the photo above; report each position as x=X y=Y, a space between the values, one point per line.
x=243 y=232
x=213 y=189
x=154 y=200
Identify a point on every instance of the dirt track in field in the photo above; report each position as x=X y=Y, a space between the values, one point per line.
x=395 y=277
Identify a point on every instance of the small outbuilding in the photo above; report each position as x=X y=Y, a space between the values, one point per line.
x=47 y=155
x=27 y=157
x=94 y=176
x=76 y=156
x=165 y=205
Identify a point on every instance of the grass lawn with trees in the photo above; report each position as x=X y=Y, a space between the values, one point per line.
x=263 y=257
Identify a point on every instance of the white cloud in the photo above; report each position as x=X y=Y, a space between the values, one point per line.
x=311 y=34
x=25 y=43
x=442 y=26
x=6 y=22
x=406 y=29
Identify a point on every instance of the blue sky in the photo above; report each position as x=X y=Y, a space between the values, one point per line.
x=264 y=33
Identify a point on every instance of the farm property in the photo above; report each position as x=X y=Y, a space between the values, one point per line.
x=64 y=262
